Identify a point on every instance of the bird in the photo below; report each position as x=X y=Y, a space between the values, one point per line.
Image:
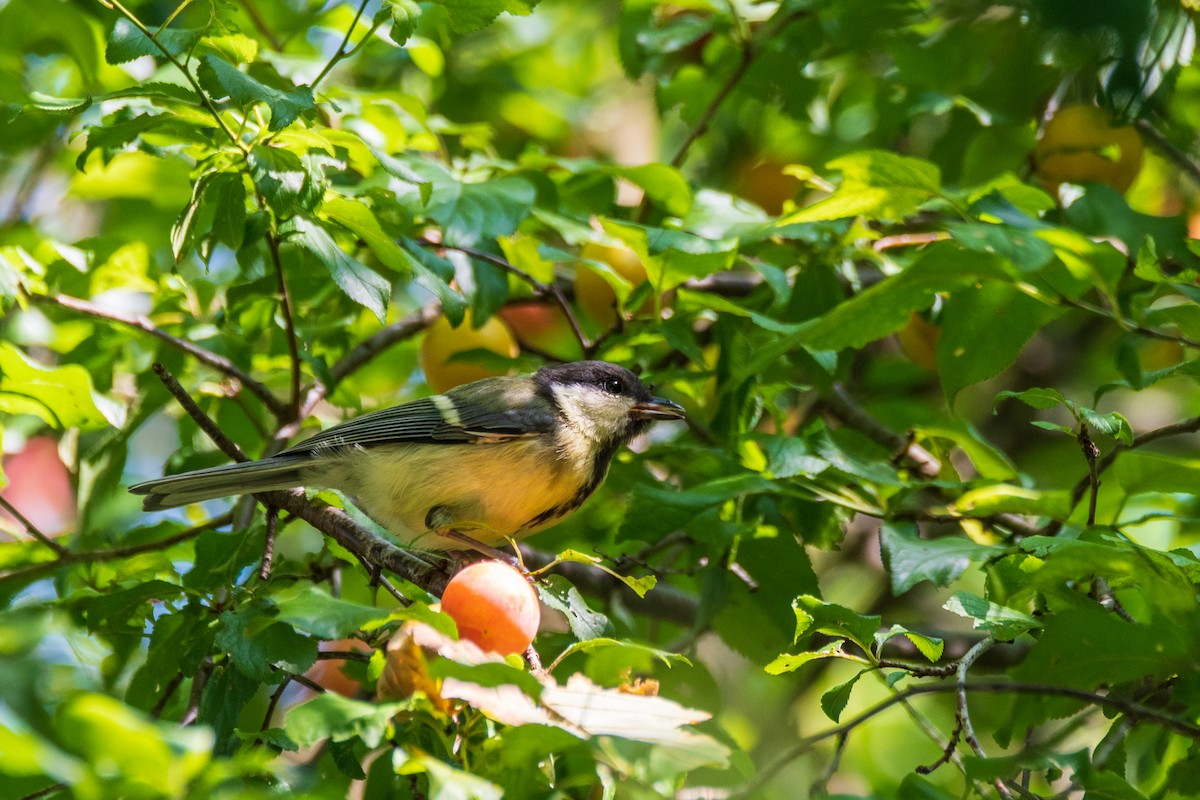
x=497 y=459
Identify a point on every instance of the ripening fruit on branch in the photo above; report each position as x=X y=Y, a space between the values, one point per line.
x=494 y=606
x=542 y=327
x=442 y=342
x=919 y=339
x=1080 y=145
x=592 y=292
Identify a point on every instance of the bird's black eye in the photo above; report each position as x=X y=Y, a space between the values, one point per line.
x=613 y=385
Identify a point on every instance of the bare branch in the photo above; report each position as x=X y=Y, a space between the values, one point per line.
x=115 y=553
x=30 y=528
x=142 y=323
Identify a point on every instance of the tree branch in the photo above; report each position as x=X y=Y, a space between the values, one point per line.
x=542 y=289
x=204 y=98
x=115 y=553
x=1191 y=425
x=342 y=52
x=142 y=323
x=1164 y=145
x=1133 y=710
x=30 y=528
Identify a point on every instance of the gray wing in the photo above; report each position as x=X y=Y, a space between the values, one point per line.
x=445 y=419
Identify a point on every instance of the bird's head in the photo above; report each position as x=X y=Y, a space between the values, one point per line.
x=606 y=403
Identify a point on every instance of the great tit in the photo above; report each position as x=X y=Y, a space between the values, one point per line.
x=501 y=457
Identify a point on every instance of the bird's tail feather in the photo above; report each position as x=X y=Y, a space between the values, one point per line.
x=268 y=475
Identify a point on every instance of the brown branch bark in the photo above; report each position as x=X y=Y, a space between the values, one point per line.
x=142 y=323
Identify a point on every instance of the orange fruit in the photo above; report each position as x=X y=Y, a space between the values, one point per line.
x=918 y=339
x=442 y=342
x=1080 y=144
x=592 y=292
x=494 y=606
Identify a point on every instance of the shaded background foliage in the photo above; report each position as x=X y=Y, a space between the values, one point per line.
x=931 y=529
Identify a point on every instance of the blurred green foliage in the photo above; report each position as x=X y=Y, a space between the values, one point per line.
x=942 y=414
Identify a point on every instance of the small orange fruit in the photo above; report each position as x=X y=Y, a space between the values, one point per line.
x=1081 y=145
x=494 y=606
x=442 y=342
x=594 y=294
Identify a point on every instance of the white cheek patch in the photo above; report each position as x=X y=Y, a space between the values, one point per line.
x=596 y=415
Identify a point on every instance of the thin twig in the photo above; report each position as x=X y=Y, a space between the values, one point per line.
x=341 y=51
x=260 y=24
x=963 y=712
x=382 y=339
x=846 y=408
x=908 y=240
x=191 y=79
x=168 y=693
x=264 y=568
x=30 y=528
x=142 y=323
x=289 y=322
x=543 y=289
x=1128 y=325
x=1168 y=148
x=49 y=790
x=116 y=553
x=171 y=17
x=1134 y=710
x=1090 y=453
x=750 y=51
x=271 y=705
x=1190 y=425
x=223 y=442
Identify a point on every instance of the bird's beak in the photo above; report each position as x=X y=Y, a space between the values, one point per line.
x=656 y=408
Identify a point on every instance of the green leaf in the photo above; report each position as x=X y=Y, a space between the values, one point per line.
x=259 y=644
x=814 y=615
x=399 y=168
x=1153 y=472
x=834 y=701
x=126 y=749
x=308 y=609
x=467 y=16
x=790 y=662
x=1002 y=498
x=662 y=183
x=489 y=675
x=1113 y=424
x=1001 y=623
x=974 y=346
x=361 y=284
x=588 y=645
x=221 y=79
x=331 y=716
x=221 y=706
x=1088 y=646
x=654 y=511
x=404 y=15
x=288 y=184
x=1035 y=398
x=470 y=212
x=62 y=397
x=1022 y=248
x=875 y=183
x=911 y=559
x=122 y=608
x=640 y=586
x=885 y=307
x=929 y=646
x=558 y=593
x=445 y=782
x=127 y=42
